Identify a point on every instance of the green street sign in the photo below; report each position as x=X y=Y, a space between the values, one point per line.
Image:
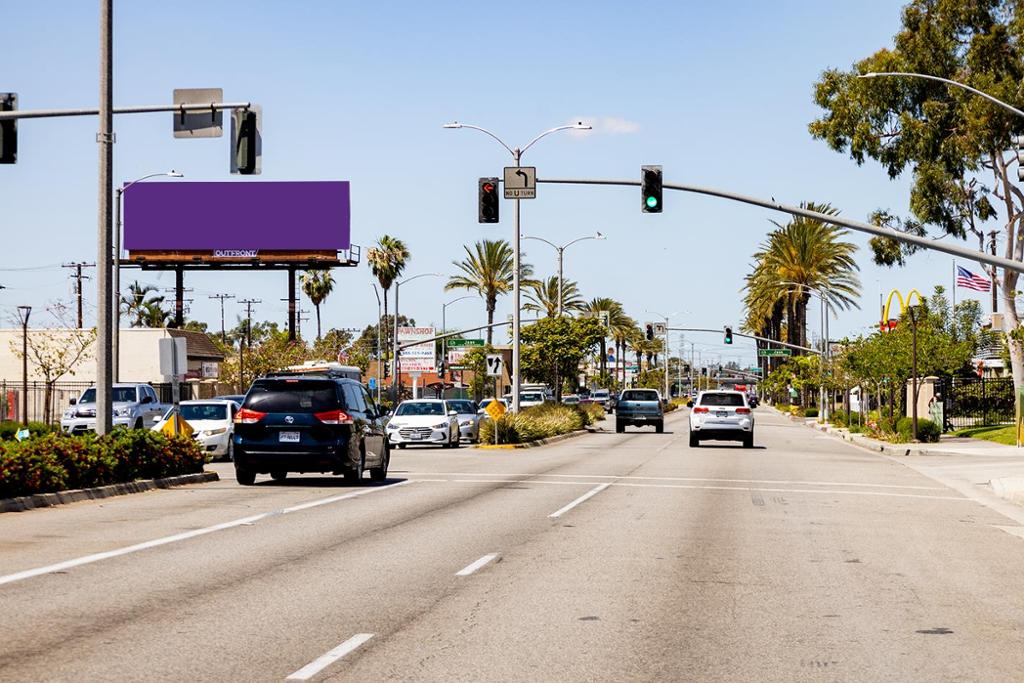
x=769 y=353
x=754 y=371
x=462 y=343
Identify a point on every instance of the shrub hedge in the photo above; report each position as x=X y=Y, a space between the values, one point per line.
x=54 y=461
x=927 y=431
x=536 y=422
x=811 y=412
x=9 y=428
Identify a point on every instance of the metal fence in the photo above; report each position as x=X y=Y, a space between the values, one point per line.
x=47 y=404
x=976 y=401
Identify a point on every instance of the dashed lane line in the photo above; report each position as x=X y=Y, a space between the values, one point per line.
x=586 y=496
x=328 y=658
x=469 y=569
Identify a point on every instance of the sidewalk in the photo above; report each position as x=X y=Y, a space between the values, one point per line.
x=990 y=473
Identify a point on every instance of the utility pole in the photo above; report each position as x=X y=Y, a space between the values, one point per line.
x=222 y=297
x=179 y=298
x=105 y=230
x=78 y=277
x=300 y=315
x=248 y=303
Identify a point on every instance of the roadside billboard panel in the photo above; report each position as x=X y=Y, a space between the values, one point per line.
x=419 y=358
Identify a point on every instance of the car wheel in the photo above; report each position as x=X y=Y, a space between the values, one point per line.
x=354 y=476
x=381 y=473
x=748 y=441
x=458 y=440
x=694 y=440
x=619 y=427
x=245 y=477
x=401 y=445
x=659 y=427
x=138 y=423
x=229 y=456
x=279 y=475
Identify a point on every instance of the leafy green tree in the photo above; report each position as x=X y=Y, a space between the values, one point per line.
x=552 y=348
x=953 y=143
x=317 y=285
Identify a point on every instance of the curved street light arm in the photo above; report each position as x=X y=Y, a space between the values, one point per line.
x=532 y=142
x=416 y=277
x=580 y=239
x=990 y=98
x=172 y=173
x=487 y=132
x=541 y=239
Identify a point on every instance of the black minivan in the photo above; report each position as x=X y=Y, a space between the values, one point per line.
x=307 y=424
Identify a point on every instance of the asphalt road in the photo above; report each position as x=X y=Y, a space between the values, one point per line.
x=608 y=557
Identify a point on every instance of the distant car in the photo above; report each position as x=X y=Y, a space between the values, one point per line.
x=528 y=399
x=309 y=424
x=134 y=406
x=721 y=415
x=424 y=421
x=571 y=400
x=469 y=418
x=639 y=408
x=604 y=397
x=212 y=421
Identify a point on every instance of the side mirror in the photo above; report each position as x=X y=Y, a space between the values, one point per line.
x=146 y=399
x=73 y=401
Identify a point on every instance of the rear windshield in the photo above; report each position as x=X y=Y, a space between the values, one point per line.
x=532 y=397
x=414 y=408
x=292 y=396
x=463 y=406
x=634 y=395
x=721 y=400
x=604 y=393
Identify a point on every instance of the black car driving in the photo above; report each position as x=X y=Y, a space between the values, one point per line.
x=307 y=424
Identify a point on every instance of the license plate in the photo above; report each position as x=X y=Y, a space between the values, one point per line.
x=722 y=413
x=415 y=436
x=288 y=437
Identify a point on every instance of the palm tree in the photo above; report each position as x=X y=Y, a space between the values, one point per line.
x=488 y=270
x=542 y=297
x=142 y=309
x=615 y=313
x=317 y=285
x=623 y=328
x=387 y=260
x=800 y=257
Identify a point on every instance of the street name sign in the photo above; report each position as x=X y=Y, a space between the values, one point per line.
x=520 y=182
x=456 y=343
x=769 y=353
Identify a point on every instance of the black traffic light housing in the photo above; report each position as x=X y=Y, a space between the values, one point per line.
x=488 y=204
x=650 y=188
x=8 y=129
x=728 y=335
x=650 y=332
x=246 y=147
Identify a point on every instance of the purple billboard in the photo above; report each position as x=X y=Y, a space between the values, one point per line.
x=237 y=216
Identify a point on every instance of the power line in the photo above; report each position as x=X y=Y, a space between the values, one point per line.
x=248 y=303
x=222 y=297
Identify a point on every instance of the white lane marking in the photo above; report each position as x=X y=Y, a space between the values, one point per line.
x=589 y=494
x=731 y=481
x=469 y=569
x=687 y=487
x=325 y=660
x=244 y=521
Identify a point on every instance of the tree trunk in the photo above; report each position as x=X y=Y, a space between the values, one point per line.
x=490 y=320
x=318 y=322
x=604 y=356
x=385 y=336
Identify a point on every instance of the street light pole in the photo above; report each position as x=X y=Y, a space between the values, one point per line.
x=380 y=358
x=116 y=331
x=444 y=329
x=517 y=156
x=666 y=317
x=912 y=311
x=561 y=253
x=395 y=379
x=23 y=314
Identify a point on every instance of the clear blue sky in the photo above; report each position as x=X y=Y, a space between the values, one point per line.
x=719 y=94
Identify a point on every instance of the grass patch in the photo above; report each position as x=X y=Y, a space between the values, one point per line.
x=1004 y=434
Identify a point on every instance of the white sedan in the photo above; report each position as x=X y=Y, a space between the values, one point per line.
x=213 y=424
x=426 y=421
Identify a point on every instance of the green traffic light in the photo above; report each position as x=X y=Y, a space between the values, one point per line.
x=651 y=202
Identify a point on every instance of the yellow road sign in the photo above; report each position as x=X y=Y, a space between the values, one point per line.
x=495 y=409
x=184 y=428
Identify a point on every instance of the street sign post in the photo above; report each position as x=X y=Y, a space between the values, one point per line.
x=174 y=365
x=520 y=182
x=770 y=353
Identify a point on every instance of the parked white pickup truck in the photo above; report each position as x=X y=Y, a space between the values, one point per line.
x=135 y=406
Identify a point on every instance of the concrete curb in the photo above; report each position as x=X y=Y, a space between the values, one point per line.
x=537 y=443
x=877 y=446
x=1011 y=488
x=41 y=500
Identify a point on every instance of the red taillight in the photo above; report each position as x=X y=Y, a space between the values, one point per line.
x=700 y=409
x=743 y=411
x=334 y=417
x=248 y=417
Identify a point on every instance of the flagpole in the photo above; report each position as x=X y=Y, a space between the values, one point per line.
x=953 y=310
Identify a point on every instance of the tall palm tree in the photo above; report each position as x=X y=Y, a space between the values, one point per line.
x=800 y=257
x=623 y=328
x=488 y=270
x=615 y=313
x=542 y=297
x=317 y=285
x=142 y=309
x=387 y=260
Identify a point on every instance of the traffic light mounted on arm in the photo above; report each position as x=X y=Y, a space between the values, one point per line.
x=8 y=129
x=487 y=205
x=650 y=188
x=650 y=332
x=728 y=335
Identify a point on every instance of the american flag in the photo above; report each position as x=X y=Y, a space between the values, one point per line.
x=968 y=280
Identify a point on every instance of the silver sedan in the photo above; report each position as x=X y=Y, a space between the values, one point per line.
x=469 y=418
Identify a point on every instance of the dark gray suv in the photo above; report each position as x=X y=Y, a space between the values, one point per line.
x=305 y=424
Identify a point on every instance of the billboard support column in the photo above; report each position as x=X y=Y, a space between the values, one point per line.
x=291 y=304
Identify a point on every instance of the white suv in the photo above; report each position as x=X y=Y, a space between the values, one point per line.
x=721 y=415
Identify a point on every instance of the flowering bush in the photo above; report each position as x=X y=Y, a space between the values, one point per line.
x=53 y=461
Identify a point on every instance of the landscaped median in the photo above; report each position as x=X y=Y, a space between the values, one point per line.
x=539 y=423
x=55 y=462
